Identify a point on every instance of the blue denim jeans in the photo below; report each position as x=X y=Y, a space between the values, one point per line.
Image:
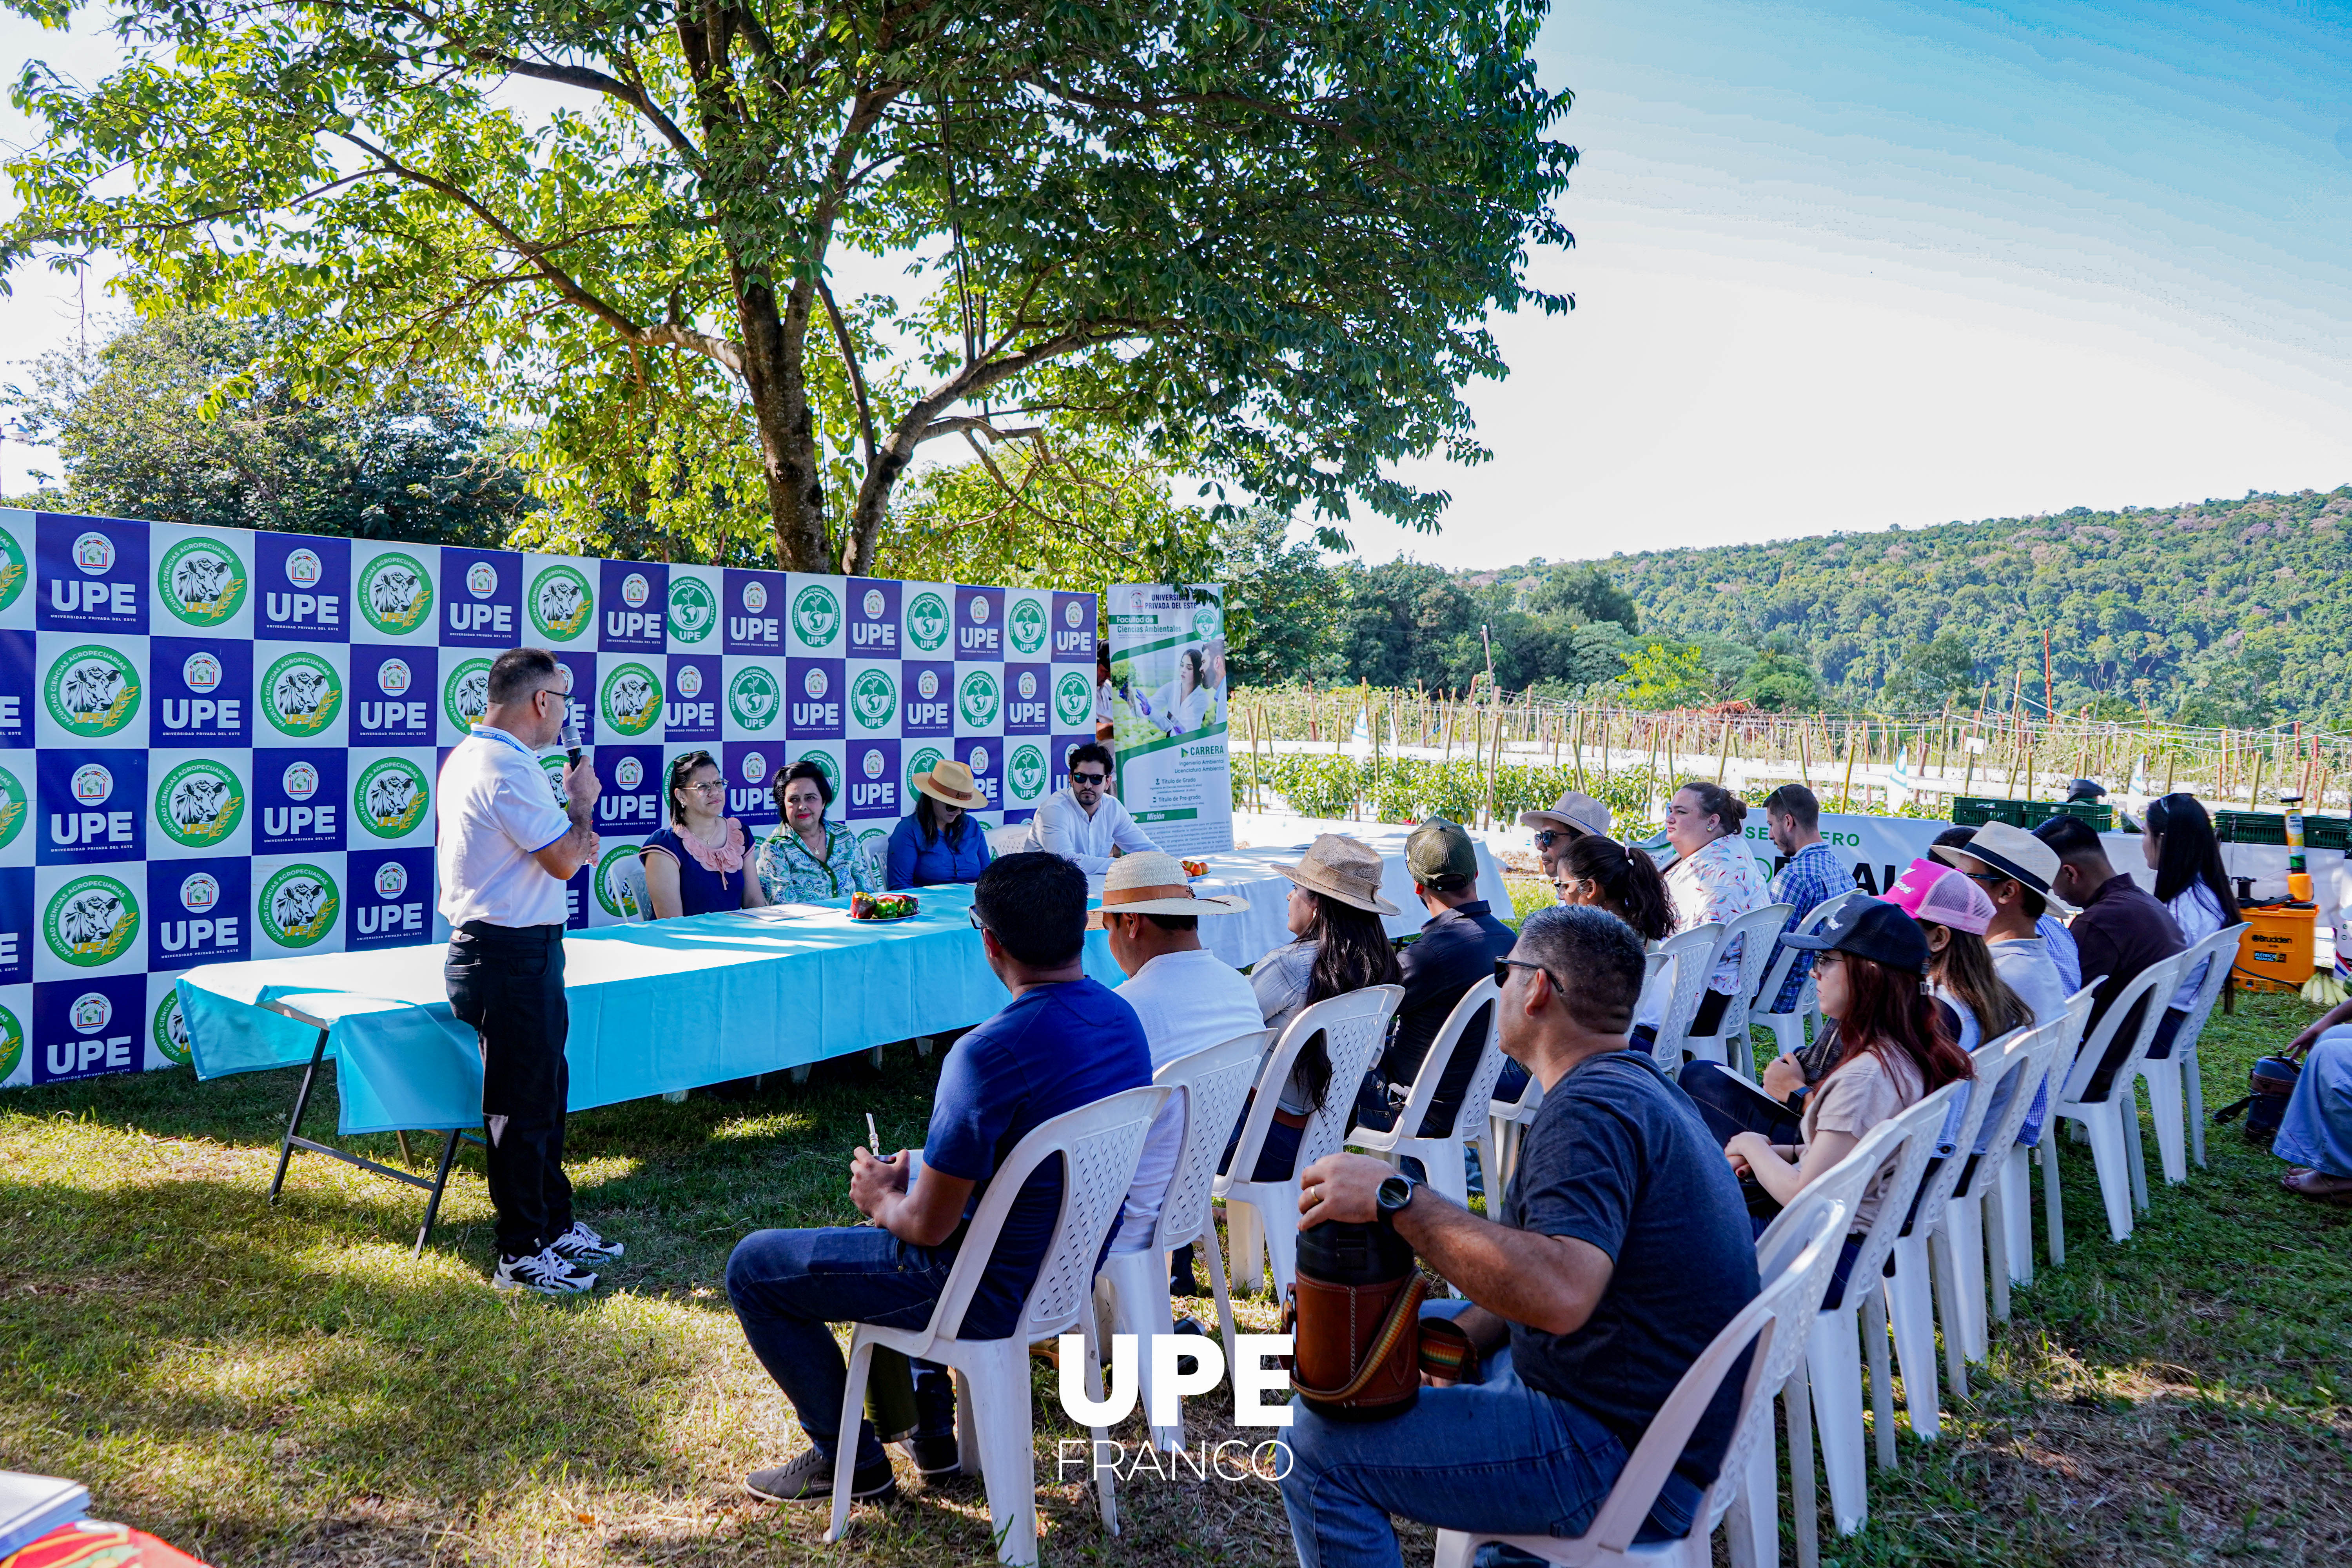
x=789 y=1287
x=1495 y=1456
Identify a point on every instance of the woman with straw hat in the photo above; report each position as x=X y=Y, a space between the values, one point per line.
x=934 y=844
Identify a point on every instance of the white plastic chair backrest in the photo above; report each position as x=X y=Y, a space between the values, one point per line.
x=2217 y=953
x=1353 y=1027
x=1211 y=1084
x=1935 y=1190
x=1100 y=1145
x=1011 y=840
x=1843 y=1182
x=1765 y=1323
x=1915 y=1144
x=1811 y=921
x=2155 y=985
x=1693 y=953
x=629 y=889
x=1758 y=932
x=1783 y=1245
x=1657 y=970
x=1480 y=1088
x=2021 y=1068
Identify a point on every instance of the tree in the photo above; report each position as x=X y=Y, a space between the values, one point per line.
x=1780 y=681
x=1282 y=603
x=1667 y=674
x=171 y=420
x=1585 y=593
x=1263 y=240
x=1929 y=674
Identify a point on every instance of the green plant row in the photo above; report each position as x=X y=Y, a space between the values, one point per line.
x=1414 y=789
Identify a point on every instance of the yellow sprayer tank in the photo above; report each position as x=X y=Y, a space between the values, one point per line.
x=2274 y=953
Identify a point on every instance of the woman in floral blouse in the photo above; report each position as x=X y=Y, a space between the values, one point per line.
x=808 y=858
x=1713 y=879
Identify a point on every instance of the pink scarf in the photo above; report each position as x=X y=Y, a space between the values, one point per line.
x=726 y=859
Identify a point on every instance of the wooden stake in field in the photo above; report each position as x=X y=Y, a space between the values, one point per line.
x=1804 y=754
x=1845 y=794
x=1580 y=749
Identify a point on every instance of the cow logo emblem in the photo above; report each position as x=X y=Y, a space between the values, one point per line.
x=390 y=797
x=12 y=577
x=391 y=879
x=872 y=698
x=199 y=804
x=755 y=595
x=297 y=905
x=303 y=569
x=922 y=761
x=90 y=922
x=827 y=766
x=201 y=581
x=816 y=616
x=92 y=691
x=1026 y=626
x=481 y=579
x=396 y=593
x=1025 y=771
x=688 y=682
x=927 y=623
x=631 y=701
x=1072 y=615
x=170 y=1032
x=629 y=772
x=1072 y=699
x=692 y=611
x=562 y=607
x=753 y=699
x=200 y=893
x=619 y=898
x=1028 y=685
x=93 y=554
x=300 y=694
x=92 y=783
x=200 y=671
x=976 y=698
x=15 y=808
x=12 y=1033
x=873 y=603
x=466 y=695
x=635 y=590
x=393 y=678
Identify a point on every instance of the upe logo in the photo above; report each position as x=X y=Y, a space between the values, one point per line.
x=90 y=922
x=977 y=761
x=92 y=783
x=813 y=685
x=688 y=682
x=1026 y=626
x=977 y=698
x=927 y=685
x=1234 y=1460
x=872 y=767
x=1072 y=699
x=92 y=691
x=927 y=623
x=755 y=595
x=90 y=1012
x=297 y=905
x=395 y=594
x=755 y=768
x=481 y=579
x=922 y=761
x=562 y=606
x=93 y=554
x=392 y=678
x=692 y=611
x=200 y=671
x=300 y=780
x=303 y=569
x=14 y=809
x=629 y=772
x=170 y=1031
x=619 y=900
x=873 y=603
x=299 y=695
x=631 y=698
x=753 y=700
x=390 y=797
x=635 y=590
x=201 y=581
x=873 y=700
x=1071 y=614
x=466 y=695
x=1028 y=685
x=978 y=607
x=1025 y=771
x=200 y=893
x=1204 y=623
x=817 y=615
x=199 y=804
x=391 y=879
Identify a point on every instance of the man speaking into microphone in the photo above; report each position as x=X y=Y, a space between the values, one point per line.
x=507 y=847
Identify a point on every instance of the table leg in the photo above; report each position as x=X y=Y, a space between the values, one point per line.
x=294 y=1122
x=922 y=1045
x=433 y=1199
x=406 y=1157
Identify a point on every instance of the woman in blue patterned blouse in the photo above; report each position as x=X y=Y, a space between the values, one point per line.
x=808 y=858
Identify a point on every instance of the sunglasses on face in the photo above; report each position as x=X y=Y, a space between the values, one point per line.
x=1088 y=778
x=1503 y=967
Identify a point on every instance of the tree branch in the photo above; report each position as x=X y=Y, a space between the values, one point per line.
x=857 y=374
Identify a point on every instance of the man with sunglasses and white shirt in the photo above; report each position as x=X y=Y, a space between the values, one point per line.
x=1567 y=819
x=1084 y=823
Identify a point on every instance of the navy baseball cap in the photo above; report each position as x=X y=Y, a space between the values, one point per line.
x=1871 y=928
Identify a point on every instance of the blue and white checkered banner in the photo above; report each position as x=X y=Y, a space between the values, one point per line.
x=217 y=745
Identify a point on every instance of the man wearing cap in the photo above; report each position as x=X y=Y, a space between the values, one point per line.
x=1187 y=997
x=1572 y=817
x=1458 y=947
x=934 y=844
x=2120 y=931
x=1083 y=822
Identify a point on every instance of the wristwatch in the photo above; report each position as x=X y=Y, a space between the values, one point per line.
x=1796 y=1101
x=1394 y=1194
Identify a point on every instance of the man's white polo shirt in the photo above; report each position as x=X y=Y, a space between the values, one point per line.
x=496 y=811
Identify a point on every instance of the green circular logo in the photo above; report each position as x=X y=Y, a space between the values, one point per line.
x=619 y=898
x=1206 y=624
x=91 y=921
x=754 y=698
x=170 y=1029
x=466 y=693
x=553 y=765
x=201 y=581
x=15 y=808
x=816 y=616
x=390 y=797
x=631 y=700
x=12 y=579
x=199 y=804
x=1025 y=770
x=825 y=766
x=693 y=612
x=922 y=761
x=1026 y=626
x=300 y=694
x=977 y=697
x=873 y=700
x=1073 y=698
x=562 y=604
x=11 y=1043
x=297 y=905
x=927 y=623
x=92 y=691
x=395 y=594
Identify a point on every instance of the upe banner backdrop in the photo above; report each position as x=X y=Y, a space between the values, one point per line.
x=219 y=745
x=1167 y=713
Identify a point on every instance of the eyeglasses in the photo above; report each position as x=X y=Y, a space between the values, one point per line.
x=974 y=916
x=1988 y=879
x=1828 y=958
x=1546 y=837
x=1503 y=967
x=1089 y=778
x=709 y=786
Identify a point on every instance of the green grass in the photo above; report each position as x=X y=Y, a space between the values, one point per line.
x=286 y=1385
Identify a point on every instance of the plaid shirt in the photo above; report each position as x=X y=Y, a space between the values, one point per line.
x=1813 y=874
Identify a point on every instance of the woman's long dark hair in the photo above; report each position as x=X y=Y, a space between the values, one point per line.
x=1631 y=886
x=927 y=816
x=1352 y=952
x=2189 y=853
x=1965 y=969
x=1888 y=1011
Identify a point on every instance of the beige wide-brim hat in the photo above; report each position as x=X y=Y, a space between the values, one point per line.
x=1574 y=810
x=950 y=782
x=1151 y=883
x=1345 y=868
x=2015 y=854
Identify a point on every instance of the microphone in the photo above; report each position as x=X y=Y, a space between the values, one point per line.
x=571 y=734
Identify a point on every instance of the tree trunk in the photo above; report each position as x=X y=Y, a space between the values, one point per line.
x=775 y=374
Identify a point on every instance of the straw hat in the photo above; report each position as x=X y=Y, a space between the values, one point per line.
x=2015 y=854
x=1345 y=868
x=951 y=781
x=1576 y=811
x=1151 y=883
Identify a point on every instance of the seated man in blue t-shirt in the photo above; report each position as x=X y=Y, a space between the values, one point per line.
x=1062 y=1042
x=1623 y=1250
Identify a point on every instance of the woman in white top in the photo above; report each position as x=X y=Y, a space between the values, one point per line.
x=2191 y=883
x=1181 y=706
x=1714 y=880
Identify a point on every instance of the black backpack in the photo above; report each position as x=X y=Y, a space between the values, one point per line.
x=2270 y=1083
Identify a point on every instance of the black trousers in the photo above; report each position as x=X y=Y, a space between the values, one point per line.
x=507 y=983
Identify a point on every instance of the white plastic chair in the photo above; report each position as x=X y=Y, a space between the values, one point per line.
x=1099 y=1146
x=1958 y=1245
x=1441 y=1155
x=1774 y=1324
x=1209 y=1086
x=629 y=890
x=2122 y=1178
x=1755 y=932
x=1011 y=840
x=1261 y=1218
x=1693 y=953
x=2174 y=1078
x=1788 y=1028
x=2010 y=1217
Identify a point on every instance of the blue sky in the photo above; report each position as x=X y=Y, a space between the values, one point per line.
x=1852 y=264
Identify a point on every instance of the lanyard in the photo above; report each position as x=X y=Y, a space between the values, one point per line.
x=500 y=735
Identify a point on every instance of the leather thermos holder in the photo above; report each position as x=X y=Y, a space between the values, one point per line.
x=1355 y=1317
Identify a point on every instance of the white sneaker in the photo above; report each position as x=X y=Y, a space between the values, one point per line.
x=582 y=1245
x=547 y=1273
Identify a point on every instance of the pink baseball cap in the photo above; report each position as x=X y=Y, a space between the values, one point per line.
x=1930 y=891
